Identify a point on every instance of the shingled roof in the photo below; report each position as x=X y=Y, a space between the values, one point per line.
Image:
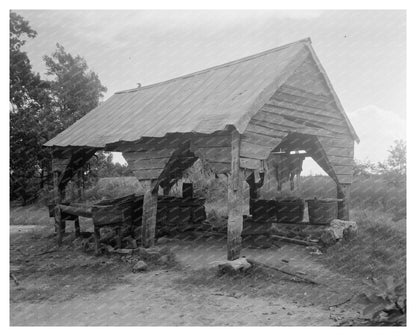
x=202 y=102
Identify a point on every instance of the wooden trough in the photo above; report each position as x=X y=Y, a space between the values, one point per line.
x=127 y=211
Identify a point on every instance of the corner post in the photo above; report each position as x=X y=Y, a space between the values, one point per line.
x=58 y=197
x=149 y=212
x=80 y=191
x=80 y=184
x=343 y=192
x=235 y=198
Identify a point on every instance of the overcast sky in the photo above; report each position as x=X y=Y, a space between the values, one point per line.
x=363 y=52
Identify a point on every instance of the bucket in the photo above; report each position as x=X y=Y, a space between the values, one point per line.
x=289 y=210
x=322 y=211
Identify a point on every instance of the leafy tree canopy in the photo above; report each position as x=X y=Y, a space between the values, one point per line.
x=77 y=90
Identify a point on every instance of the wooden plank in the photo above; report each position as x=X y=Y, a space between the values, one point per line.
x=273 y=118
x=214 y=154
x=108 y=215
x=345 y=142
x=301 y=100
x=343 y=191
x=59 y=224
x=260 y=139
x=347 y=178
x=328 y=84
x=344 y=170
x=251 y=163
x=170 y=141
x=264 y=129
x=306 y=116
x=148 y=164
x=83 y=211
x=253 y=151
x=148 y=174
x=342 y=152
x=329 y=112
x=292 y=90
x=235 y=197
x=155 y=154
x=339 y=131
x=282 y=123
x=212 y=141
x=149 y=213
x=340 y=161
x=307 y=77
x=219 y=167
x=59 y=194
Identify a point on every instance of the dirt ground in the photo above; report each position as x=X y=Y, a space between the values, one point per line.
x=68 y=286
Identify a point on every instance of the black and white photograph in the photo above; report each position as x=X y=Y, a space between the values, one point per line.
x=207 y=167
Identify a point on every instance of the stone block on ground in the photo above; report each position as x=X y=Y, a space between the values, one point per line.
x=338 y=229
x=130 y=242
x=140 y=266
x=234 y=266
x=154 y=254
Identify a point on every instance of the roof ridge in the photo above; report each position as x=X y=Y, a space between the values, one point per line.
x=305 y=40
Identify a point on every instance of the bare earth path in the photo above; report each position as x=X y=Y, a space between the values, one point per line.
x=181 y=296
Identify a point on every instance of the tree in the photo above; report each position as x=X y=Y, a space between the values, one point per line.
x=29 y=101
x=76 y=89
x=40 y=109
x=363 y=168
x=394 y=168
x=102 y=165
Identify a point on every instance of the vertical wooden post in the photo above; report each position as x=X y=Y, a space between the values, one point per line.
x=97 y=239
x=235 y=198
x=80 y=184
x=77 y=227
x=80 y=191
x=149 y=212
x=343 y=191
x=187 y=190
x=58 y=197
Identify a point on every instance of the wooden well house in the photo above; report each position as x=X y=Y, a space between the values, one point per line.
x=232 y=116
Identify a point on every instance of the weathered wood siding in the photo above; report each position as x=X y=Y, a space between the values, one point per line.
x=304 y=105
x=340 y=154
x=215 y=150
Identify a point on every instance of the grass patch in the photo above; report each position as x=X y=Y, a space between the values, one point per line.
x=378 y=250
x=29 y=215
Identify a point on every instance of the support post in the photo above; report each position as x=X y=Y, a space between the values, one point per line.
x=187 y=190
x=97 y=239
x=149 y=212
x=80 y=191
x=58 y=197
x=80 y=184
x=235 y=199
x=77 y=227
x=343 y=192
